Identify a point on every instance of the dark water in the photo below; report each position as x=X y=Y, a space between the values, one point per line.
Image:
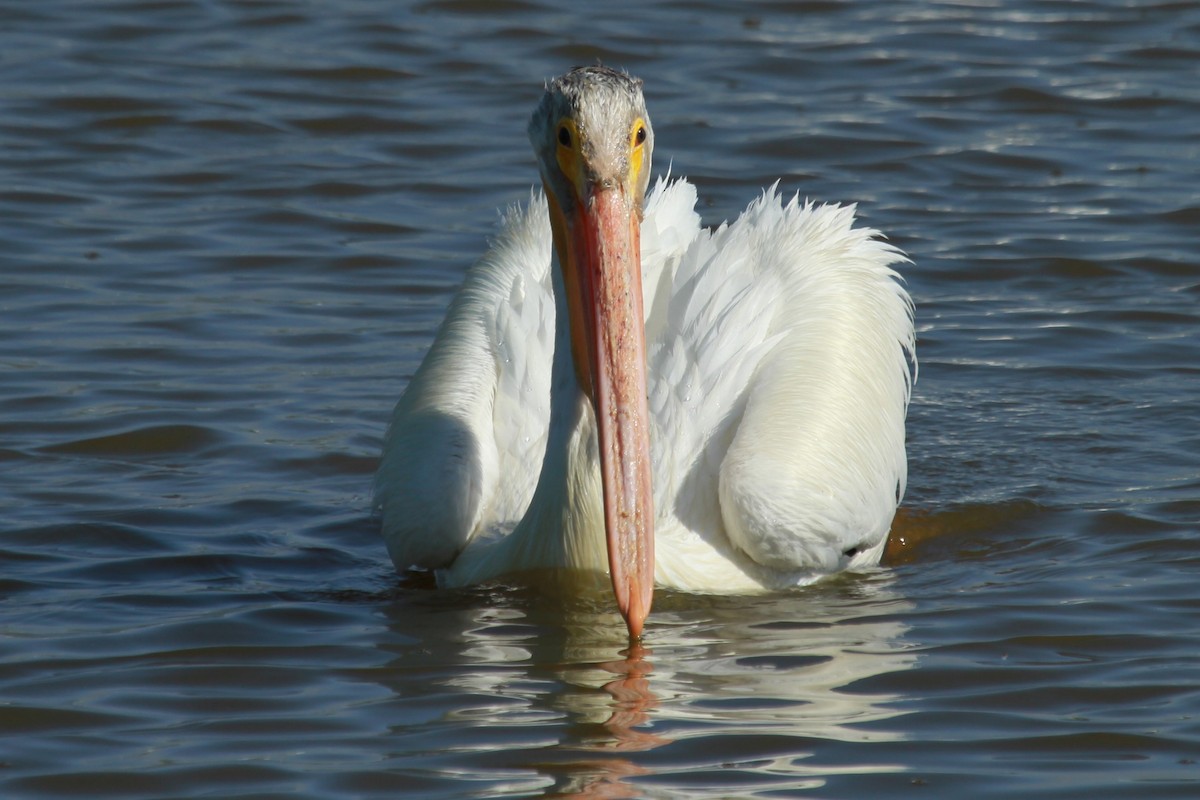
x=229 y=230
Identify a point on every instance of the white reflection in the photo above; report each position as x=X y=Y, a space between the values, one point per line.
x=566 y=703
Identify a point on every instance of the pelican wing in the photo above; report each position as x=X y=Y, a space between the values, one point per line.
x=465 y=442
x=780 y=379
x=780 y=356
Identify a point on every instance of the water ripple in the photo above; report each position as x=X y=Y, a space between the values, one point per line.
x=232 y=229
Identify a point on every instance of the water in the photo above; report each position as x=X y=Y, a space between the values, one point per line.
x=230 y=230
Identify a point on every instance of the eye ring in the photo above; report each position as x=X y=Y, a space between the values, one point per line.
x=564 y=136
x=640 y=136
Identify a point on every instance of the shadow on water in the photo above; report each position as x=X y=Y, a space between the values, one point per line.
x=918 y=533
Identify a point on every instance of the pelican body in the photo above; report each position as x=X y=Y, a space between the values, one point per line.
x=616 y=389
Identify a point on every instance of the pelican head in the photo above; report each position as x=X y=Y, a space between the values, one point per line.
x=593 y=139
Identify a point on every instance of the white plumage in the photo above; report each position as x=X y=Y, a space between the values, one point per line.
x=617 y=390
x=779 y=353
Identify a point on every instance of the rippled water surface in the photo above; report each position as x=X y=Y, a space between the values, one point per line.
x=229 y=231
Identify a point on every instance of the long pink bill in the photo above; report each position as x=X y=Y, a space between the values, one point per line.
x=608 y=258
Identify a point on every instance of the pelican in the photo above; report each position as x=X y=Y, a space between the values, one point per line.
x=616 y=389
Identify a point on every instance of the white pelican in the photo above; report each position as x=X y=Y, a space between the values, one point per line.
x=616 y=389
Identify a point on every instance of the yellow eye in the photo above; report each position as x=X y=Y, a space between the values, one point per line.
x=567 y=135
x=568 y=154
x=637 y=134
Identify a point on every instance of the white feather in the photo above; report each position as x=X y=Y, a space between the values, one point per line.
x=779 y=356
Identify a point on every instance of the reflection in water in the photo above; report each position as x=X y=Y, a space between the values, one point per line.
x=632 y=700
x=548 y=694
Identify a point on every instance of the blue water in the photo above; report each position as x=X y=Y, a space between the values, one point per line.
x=229 y=233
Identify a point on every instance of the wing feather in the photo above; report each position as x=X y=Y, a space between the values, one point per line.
x=478 y=406
x=817 y=465
x=780 y=366
x=780 y=384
